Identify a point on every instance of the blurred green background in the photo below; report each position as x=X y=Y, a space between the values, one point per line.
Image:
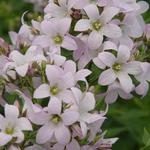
x=126 y=119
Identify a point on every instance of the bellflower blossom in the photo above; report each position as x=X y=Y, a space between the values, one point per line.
x=79 y=54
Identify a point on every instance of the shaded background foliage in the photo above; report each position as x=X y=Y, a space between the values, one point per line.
x=126 y=118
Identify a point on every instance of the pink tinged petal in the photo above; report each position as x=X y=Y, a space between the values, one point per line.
x=58 y=146
x=54 y=10
x=95 y=40
x=111 y=97
x=69 y=117
x=4 y=139
x=14 y=37
x=107 y=77
x=82 y=74
x=125 y=40
x=53 y=73
x=45 y=134
x=66 y=96
x=80 y=4
x=22 y=70
x=84 y=128
x=65 y=25
x=107 y=58
x=133 y=68
x=123 y=54
x=124 y=95
x=19 y=135
x=77 y=94
x=17 y=57
x=144 y=6
x=88 y=102
x=82 y=25
x=49 y=27
x=65 y=84
x=109 y=46
x=90 y=118
x=134 y=26
x=142 y=88
x=62 y=134
x=62 y=3
x=126 y=82
x=108 y=14
x=42 y=40
x=38 y=118
x=92 y=12
x=70 y=66
x=84 y=60
x=112 y=31
x=99 y=63
x=42 y=91
x=69 y=43
x=73 y=145
x=24 y=124
x=54 y=106
x=59 y=60
x=11 y=111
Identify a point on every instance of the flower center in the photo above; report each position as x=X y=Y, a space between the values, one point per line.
x=9 y=130
x=58 y=39
x=56 y=119
x=54 y=90
x=117 y=67
x=97 y=25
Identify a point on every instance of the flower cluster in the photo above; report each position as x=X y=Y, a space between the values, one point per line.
x=60 y=67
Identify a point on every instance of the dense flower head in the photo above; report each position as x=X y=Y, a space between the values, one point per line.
x=55 y=64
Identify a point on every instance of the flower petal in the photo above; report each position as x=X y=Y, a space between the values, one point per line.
x=107 y=77
x=69 y=43
x=54 y=106
x=22 y=70
x=88 y=102
x=82 y=25
x=112 y=31
x=4 y=139
x=11 y=111
x=107 y=58
x=92 y=12
x=24 y=124
x=95 y=40
x=62 y=134
x=42 y=91
x=44 y=134
x=108 y=14
x=126 y=82
x=132 y=67
x=70 y=117
x=123 y=54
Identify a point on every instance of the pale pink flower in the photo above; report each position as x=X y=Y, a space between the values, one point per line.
x=100 y=25
x=55 y=36
x=63 y=9
x=119 y=68
x=70 y=66
x=83 y=54
x=58 y=86
x=21 y=63
x=85 y=104
x=56 y=123
x=12 y=126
